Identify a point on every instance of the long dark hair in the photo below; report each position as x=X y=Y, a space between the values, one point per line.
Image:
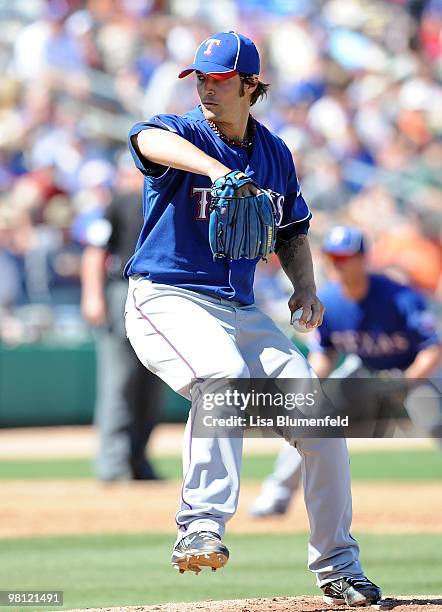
x=259 y=92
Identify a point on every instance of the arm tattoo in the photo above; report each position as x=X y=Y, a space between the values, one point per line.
x=287 y=252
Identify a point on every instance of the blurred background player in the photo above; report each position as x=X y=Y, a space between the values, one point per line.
x=382 y=327
x=128 y=396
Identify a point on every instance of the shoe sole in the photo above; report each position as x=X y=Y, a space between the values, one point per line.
x=194 y=561
x=363 y=603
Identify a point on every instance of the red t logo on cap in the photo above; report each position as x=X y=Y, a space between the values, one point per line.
x=210 y=43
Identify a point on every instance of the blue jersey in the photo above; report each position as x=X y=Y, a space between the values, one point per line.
x=173 y=247
x=386 y=329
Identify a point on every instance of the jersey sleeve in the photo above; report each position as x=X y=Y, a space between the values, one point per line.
x=172 y=123
x=296 y=215
x=420 y=322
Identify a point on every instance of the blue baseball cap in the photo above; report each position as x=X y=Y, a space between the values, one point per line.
x=223 y=55
x=344 y=240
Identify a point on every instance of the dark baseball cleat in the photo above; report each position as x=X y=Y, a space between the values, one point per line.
x=198 y=550
x=351 y=592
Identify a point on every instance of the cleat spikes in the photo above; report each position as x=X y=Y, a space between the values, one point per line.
x=199 y=550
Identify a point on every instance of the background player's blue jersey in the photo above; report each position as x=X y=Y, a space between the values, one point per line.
x=173 y=247
x=386 y=329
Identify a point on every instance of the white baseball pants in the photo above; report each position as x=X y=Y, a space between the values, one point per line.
x=181 y=335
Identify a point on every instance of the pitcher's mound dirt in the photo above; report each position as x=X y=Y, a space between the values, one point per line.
x=283 y=604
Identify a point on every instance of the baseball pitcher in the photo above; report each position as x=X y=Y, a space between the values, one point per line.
x=221 y=192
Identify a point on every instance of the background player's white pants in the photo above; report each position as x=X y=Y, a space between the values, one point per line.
x=286 y=477
x=285 y=480
x=181 y=335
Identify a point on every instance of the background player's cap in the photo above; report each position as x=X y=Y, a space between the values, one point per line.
x=223 y=55
x=344 y=240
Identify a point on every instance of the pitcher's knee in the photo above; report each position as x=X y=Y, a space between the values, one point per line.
x=231 y=369
x=239 y=370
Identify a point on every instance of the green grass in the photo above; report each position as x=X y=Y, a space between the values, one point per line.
x=105 y=570
x=404 y=466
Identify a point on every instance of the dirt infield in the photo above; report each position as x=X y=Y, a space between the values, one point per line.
x=281 y=604
x=57 y=507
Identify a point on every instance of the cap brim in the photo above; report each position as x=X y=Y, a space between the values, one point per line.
x=341 y=252
x=215 y=70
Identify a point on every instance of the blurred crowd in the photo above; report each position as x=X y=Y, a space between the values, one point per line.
x=355 y=92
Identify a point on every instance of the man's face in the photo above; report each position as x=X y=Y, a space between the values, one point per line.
x=348 y=269
x=221 y=100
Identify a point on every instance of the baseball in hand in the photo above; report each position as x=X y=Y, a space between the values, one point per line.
x=297 y=326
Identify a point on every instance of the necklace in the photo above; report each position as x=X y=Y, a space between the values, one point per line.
x=246 y=143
